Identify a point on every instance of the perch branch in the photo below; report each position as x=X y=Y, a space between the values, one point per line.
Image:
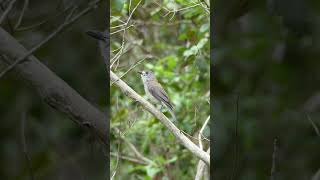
x=194 y=149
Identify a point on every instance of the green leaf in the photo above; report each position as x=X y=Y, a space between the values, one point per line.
x=173 y=159
x=117 y=6
x=192 y=51
x=151 y=170
x=204 y=28
x=202 y=42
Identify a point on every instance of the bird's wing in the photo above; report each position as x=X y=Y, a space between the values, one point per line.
x=158 y=92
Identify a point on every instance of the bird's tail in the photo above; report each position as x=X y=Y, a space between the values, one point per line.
x=171 y=112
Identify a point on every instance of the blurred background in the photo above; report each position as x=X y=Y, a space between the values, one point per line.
x=57 y=147
x=170 y=38
x=266 y=53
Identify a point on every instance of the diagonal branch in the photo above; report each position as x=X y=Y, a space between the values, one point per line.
x=53 y=90
x=194 y=149
x=201 y=131
x=67 y=22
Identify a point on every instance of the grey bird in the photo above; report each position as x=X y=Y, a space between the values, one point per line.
x=155 y=92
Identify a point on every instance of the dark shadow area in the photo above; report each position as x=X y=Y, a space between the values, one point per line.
x=266 y=76
x=50 y=130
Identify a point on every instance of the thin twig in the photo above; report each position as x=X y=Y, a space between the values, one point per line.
x=128 y=158
x=201 y=130
x=274 y=160
x=6 y=12
x=42 y=22
x=53 y=34
x=118 y=158
x=316 y=129
x=25 y=6
x=133 y=66
x=120 y=52
x=24 y=145
x=133 y=148
x=235 y=163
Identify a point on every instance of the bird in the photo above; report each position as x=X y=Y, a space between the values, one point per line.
x=155 y=91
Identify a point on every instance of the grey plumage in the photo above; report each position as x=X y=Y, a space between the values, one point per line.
x=155 y=91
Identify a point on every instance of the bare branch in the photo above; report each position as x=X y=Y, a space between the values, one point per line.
x=120 y=52
x=194 y=149
x=274 y=160
x=316 y=129
x=133 y=148
x=53 y=34
x=53 y=90
x=201 y=130
x=6 y=12
x=128 y=158
x=25 y=6
x=24 y=144
x=202 y=170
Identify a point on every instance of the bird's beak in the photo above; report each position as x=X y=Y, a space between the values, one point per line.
x=140 y=72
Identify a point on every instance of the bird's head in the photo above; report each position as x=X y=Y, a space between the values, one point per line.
x=147 y=75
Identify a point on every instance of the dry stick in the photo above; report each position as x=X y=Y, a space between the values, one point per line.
x=24 y=145
x=201 y=130
x=194 y=149
x=25 y=6
x=128 y=158
x=119 y=53
x=133 y=148
x=133 y=66
x=67 y=22
x=118 y=159
x=313 y=125
x=6 y=12
x=42 y=22
x=274 y=160
x=235 y=163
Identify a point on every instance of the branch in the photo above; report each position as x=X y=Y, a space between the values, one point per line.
x=200 y=133
x=202 y=170
x=194 y=149
x=133 y=148
x=316 y=176
x=316 y=129
x=25 y=6
x=274 y=160
x=24 y=144
x=6 y=12
x=67 y=22
x=53 y=90
x=128 y=158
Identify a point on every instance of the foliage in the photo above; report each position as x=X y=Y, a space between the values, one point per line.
x=173 y=47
